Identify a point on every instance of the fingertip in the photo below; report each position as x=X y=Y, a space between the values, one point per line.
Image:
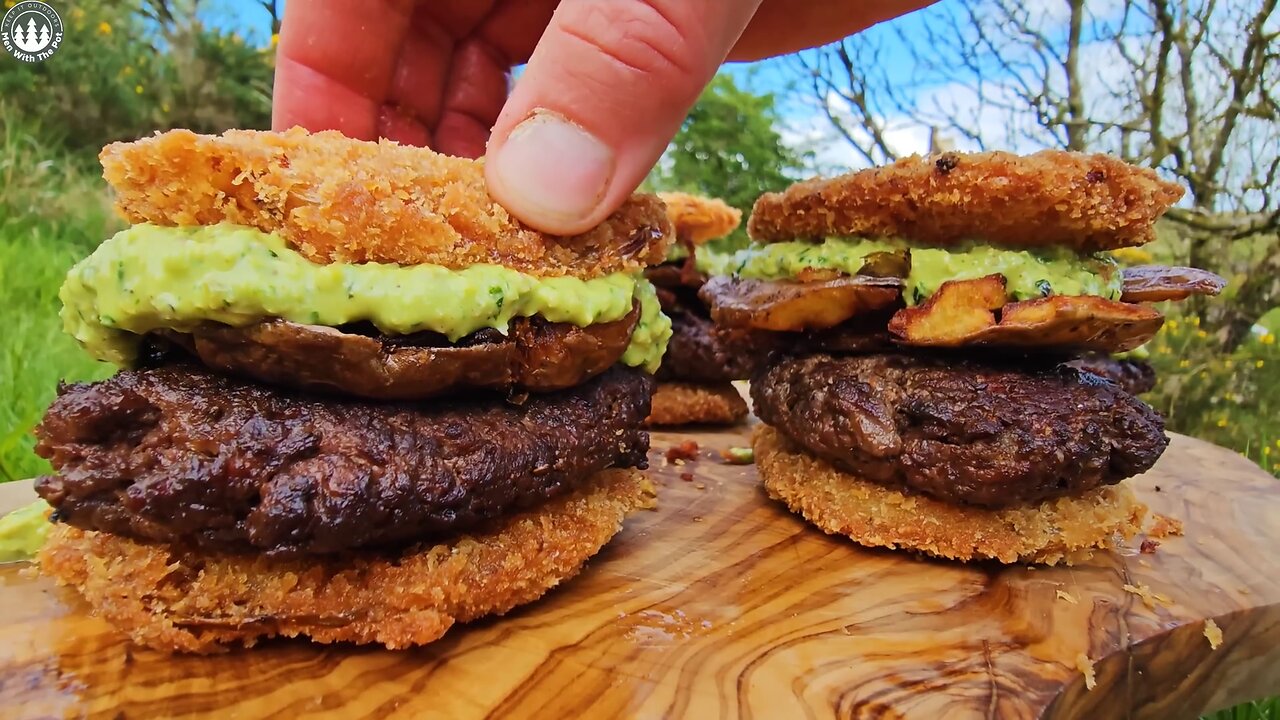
x=552 y=174
x=604 y=92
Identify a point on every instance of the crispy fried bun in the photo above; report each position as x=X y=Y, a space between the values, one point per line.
x=187 y=601
x=1065 y=529
x=335 y=199
x=680 y=403
x=1051 y=198
x=1154 y=283
x=967 y=313
x=698 y=219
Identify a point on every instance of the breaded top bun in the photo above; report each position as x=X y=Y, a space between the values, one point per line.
x=698 y=218
x=1051 y=198
x=335 y=199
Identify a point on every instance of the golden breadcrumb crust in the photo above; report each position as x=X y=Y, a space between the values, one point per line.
x=1051 y=198
x=1064 y=529
x=335 y=199
x=192 y=601
x=680 y=403
x=698 y=218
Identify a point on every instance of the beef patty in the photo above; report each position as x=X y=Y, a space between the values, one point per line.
x=963 y=432
x=1135 y=376
x=178 y=454
x=698 y=351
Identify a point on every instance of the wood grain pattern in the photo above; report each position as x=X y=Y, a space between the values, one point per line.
x=721 y=604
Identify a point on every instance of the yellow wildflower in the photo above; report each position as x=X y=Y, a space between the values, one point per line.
x=1259 y=364
x=1222 y=422
x=1184 y=363
x=10 y=3
x=1201 y=334
x=275 y=39
x=104 y=28
x=1269 y=339
x=1172 y=324
x=1195 y=320
x=126 y=71
x=1132 y=255
x=137 y=89
x=1266 y=450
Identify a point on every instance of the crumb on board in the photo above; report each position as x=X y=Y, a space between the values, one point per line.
x=1150 y=599
x=649 y=495
x=1064 y=595
x=1085 y=666
x=1164 y=526
x=1212 y=633
x=686 y=476
x=700 y=486
x=738 y=455
x=687 y=450
x=1148 y=546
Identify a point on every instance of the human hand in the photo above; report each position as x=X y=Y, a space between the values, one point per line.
x=607 y=85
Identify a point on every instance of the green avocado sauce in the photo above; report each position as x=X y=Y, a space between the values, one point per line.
x=149 y=277
x=22 y=532
x=1029 y=273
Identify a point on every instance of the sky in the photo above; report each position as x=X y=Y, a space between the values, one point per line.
x=803 y=124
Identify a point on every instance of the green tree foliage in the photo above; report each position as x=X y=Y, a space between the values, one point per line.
x=728 y=147
x=125 y=70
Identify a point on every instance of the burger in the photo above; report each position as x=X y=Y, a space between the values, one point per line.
x=927 y=314
x=695 y=379
x=359 y=402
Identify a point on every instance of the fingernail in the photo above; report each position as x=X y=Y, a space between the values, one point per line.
x=551 y=173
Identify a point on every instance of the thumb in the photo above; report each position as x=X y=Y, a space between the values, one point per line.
x=603 y=94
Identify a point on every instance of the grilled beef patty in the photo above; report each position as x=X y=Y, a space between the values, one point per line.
x=971 y=433
x=179 y=454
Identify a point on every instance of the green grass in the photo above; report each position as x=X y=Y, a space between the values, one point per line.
x=35 y=354
x=1268 y=709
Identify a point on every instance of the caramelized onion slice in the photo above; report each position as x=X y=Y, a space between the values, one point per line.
x=964 y=313
x=789 y=305
x=1153 y=283
x=534 y=355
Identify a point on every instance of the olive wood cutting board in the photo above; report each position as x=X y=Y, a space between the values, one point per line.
x=721 y=604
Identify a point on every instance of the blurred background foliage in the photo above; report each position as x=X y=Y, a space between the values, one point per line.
x=129 y=68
